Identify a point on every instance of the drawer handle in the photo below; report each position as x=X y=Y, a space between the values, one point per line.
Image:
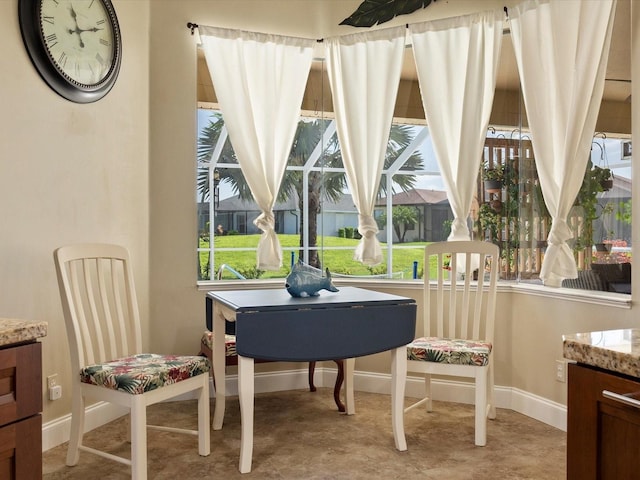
x=621 y=398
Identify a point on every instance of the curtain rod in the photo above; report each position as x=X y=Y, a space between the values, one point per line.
x=192 y=26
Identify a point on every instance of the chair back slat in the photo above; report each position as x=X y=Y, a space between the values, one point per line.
x=105 y=278
x=464 y=306
x=451 y=328
x=77 y=310
x=90 y=271
x=99 y=302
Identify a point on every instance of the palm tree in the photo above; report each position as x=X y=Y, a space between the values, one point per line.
x=322 y=185
x=206 y=143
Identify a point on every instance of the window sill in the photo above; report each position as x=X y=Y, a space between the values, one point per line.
x=618 y=300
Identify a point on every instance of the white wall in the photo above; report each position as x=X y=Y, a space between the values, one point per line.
x=69 y=173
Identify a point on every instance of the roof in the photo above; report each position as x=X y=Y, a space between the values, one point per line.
x=417 y=196
x=343 y=204
x=235 y=203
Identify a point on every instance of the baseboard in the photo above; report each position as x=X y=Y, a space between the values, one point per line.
x=534 y=406
x=56 y=432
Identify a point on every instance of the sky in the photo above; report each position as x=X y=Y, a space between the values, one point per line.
x=606 y=152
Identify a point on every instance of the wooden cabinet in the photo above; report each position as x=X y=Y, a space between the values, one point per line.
x=20 y=407
x=603 y=425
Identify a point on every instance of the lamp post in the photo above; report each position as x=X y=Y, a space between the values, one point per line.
x=216 y=190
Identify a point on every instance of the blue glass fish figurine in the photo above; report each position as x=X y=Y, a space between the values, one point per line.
x=305 y=281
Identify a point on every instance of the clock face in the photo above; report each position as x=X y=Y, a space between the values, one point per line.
x=75 y=45
x=79 y=38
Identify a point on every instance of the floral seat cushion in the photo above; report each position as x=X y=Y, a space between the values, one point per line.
x=454 y=351
x=229 y=343
x=144 y=372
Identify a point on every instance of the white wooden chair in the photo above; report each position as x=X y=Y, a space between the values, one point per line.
x=459 y=322
x=103 y=328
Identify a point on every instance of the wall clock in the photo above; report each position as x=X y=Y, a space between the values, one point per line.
x=74 y=44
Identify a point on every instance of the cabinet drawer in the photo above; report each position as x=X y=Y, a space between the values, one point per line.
x=20 y=382
x=603 y=433
x=20 y=450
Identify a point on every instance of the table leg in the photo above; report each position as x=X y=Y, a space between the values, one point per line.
x=338 y=385
x=350 y=364
x=246 y=395
x=398 y=380
x=219 y=367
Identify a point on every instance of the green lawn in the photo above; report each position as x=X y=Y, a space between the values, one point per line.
x=338 y=261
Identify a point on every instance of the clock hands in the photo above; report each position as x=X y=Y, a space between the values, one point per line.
x=77 y=29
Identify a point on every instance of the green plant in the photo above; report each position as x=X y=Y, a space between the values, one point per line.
x=446 y=228
x=372 y=12
x=377 y=270
x=404 y=218
x=250 y=272
x=587 y=199
x=624 y=212
x=494 y=172
x=489 y=220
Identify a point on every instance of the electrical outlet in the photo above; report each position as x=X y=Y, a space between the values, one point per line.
x=55 y=392
x=561 y=371
x=52 y=381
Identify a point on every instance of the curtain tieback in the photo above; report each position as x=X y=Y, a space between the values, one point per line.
x=560 y=232
x=367 y=226
x=459 y=230
x=265 y=221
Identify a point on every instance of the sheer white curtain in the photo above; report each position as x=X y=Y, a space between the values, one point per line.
x=561 y=48
x=259 y=81
x=364 y=73
x=457 y=62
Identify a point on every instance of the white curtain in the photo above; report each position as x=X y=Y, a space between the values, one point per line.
x=561 y=48
x=364 y=73
x=259 y=81
x=457 y=62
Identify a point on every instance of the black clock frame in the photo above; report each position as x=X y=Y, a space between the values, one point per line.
x=29 y=17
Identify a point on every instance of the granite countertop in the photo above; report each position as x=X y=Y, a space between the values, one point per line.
x=613 y=350
x=17 y=331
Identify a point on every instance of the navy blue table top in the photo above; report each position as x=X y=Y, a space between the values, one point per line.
x=279 y=299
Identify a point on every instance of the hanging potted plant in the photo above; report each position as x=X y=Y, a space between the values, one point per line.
x=603 y=175
x=493 y=177
x=607 y=180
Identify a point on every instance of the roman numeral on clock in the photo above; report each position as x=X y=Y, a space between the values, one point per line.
x=51 y=40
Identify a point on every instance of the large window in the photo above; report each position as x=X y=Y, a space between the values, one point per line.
x=316 y=219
